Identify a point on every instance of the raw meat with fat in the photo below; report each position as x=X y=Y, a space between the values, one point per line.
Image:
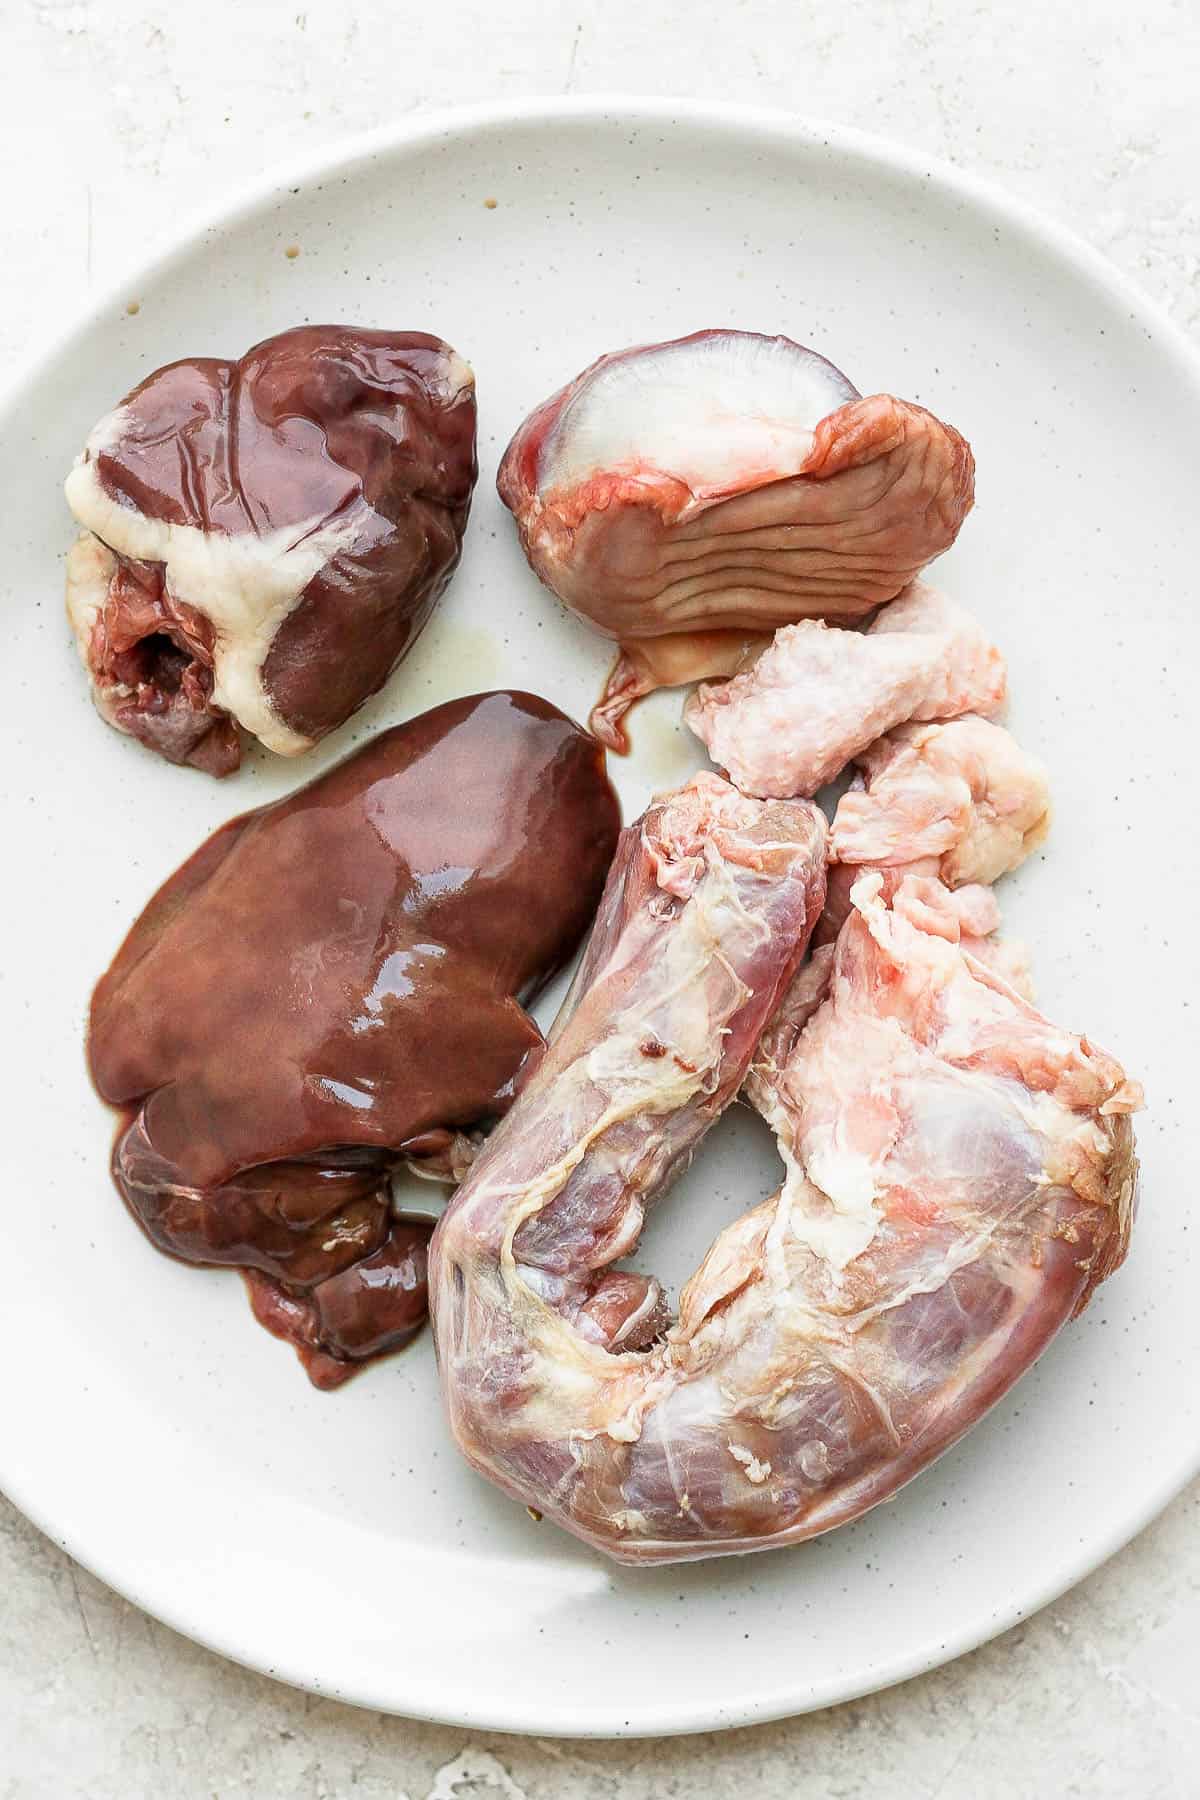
x=960 y=801
x=960 y=1175
x=707 y=910
x=264 y=539
x=962 y=797
x=726 y=481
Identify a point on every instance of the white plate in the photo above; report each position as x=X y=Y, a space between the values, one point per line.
x=335 y=1541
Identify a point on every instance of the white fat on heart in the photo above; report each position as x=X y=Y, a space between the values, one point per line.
x=109 y=431
x=453 y=378
x=245 y=584
x=91 y=566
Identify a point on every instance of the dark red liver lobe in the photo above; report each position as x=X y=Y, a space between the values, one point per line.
x=338 y=976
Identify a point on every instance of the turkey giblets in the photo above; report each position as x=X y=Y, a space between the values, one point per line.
x=264 y=539
x=679 y=496
x=959 y=1176
x=337 y=982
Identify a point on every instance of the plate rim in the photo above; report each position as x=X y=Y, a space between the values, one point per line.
x=772 y=124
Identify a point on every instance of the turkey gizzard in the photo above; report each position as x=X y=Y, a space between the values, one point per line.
x=263 y=540
x=336 y=982
x=680 y=496
x=959 y=1176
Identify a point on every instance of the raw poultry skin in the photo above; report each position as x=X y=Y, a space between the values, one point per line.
x=819 y=695
x=264 y=539
x=338 y=981
x=960 y=1175
x=968 y=915
x=726 y=481
x=963 y=796
x=960 y=801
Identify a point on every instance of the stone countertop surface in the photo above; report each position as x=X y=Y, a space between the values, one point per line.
x=120 y=118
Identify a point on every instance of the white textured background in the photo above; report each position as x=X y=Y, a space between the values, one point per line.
x=117 y=119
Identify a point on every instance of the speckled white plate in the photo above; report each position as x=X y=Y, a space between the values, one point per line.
x=146 y=1423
